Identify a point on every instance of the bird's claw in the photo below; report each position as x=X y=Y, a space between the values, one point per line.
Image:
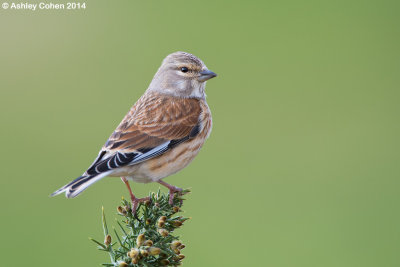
x=172 y=192
x=135 y=203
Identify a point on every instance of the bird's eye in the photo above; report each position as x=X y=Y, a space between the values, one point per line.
x=184 y=69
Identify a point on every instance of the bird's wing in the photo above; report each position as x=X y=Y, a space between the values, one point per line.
x=154 y=125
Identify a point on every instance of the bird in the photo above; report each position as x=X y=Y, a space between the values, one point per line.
x=160 y=135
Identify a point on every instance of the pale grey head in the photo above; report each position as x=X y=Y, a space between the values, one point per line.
x=181 y=74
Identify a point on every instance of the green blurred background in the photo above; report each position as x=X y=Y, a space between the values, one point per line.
x=302 y=166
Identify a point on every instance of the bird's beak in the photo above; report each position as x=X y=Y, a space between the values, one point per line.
x=206 y=75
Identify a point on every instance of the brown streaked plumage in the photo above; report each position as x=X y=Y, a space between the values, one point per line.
x=161 y=134
x=171 y=118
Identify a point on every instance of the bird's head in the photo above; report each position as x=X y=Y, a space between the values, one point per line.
x=183 y=75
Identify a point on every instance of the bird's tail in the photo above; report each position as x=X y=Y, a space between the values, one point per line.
x=78 y=185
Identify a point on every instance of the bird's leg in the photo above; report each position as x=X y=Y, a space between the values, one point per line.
x=135 y=200
x=172 y=190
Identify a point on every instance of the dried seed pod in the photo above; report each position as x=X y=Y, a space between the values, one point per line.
x=123 y=264
x=164 y=262
x=148 y=243
x=135 y=260
x=181 y=257
x=176 y=209
x=148 y=221
x=144 y=252
x=154 y=251
x=140 y=240
x=163 y=255
x=177 y=251
x=162 y=219
x=163 y=232
x=177 y=223
x=107 y=240
x=175 y=244
x=121 y=210
x=160 y=224
x=182 y=246
x=133 y=253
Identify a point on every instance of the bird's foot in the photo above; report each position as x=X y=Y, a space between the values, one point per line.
x=172 y=191
x=136 y=201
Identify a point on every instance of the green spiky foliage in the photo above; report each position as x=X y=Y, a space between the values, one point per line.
x=147 y=237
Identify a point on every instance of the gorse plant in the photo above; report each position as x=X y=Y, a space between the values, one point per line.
x=146 y=238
